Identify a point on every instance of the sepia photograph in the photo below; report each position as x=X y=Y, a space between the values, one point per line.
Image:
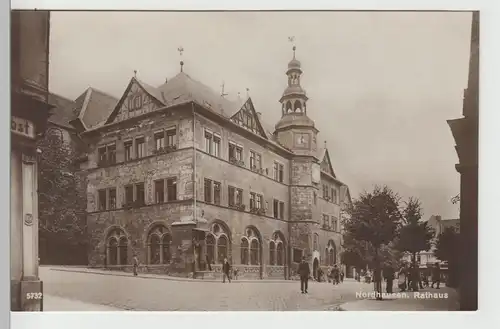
x=244 y=160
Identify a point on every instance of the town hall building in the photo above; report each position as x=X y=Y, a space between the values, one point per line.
x=184 y=178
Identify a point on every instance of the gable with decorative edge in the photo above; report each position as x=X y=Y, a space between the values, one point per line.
x=138 y=98
x=248 y=118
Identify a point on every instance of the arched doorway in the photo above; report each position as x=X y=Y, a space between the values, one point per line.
x=315 y=268
x=116 y=247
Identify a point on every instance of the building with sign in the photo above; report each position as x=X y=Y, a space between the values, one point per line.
x=29 y=112
x=182 y=177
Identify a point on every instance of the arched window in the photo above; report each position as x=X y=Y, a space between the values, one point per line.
x=288 y=107
x=218 y=243
x=244 y=251
x=210 y=243
x=278 y=250
x=116 y=247
x=165 y=245
x=113 y=251
x=272 y=252
x=331 y=253
x=254 y=252
x=222 y=248
x=123 y=250
x=154 y=247
x=159 y=240
x=297 y=107
x=280 y=254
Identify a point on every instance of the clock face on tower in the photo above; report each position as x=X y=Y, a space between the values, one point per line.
x=302 y=140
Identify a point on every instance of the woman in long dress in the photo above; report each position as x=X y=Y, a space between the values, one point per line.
x=402 y=276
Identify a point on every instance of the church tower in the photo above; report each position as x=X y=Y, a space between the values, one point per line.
x=296 y=131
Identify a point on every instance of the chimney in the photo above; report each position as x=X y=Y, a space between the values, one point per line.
x=259 y=114
x=166 y=80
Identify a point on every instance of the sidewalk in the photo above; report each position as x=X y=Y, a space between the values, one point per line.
x=444 y=299
x=59 y=304
x=154 y=276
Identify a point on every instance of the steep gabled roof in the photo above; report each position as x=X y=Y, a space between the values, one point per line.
x=248 y=107
x=325 y=156
x=95 y=108
x=63 y=111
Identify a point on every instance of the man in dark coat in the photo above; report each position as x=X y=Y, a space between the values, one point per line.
x=226 y=270
x=304 y=272
x=389 y=278
x=436 y=275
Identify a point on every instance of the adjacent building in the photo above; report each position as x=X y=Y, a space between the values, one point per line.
x=183 y=177
x=29 y=112
x=426 y=259
x=466 y=134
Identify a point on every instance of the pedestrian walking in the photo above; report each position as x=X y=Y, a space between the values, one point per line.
x=402 y=278
x=226 y=270
x=341 y=275
x=135 y=263
x=436 y=276
x=336 y=274
x=389 y=278
x=304 y=272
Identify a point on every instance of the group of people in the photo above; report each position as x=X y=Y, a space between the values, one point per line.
x=409 y=278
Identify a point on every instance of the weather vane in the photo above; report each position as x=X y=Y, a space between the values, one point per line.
x=248 y=94
x=292 y=41
x=222 y=94
x=135 y=73
x=181 y=50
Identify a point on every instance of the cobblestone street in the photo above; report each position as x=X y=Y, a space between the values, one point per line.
x=150 y=294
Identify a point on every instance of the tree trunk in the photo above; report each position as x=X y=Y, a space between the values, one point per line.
x=414 y=275
x=377 y=277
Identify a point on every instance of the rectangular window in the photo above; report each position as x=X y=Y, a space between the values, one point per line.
x=276 y=208
x=255 y=161
x=172 y=189
x=112 y=198
x=102 y=155
x=239 y=196
x=159 y=191
x=129 y=194
x=297 y=255
x=111 y=153
x=216 y=146
x=334 y=223
x=325 y=221
x=278 y=172
x=159 y=140
x=140 y=193
x=231 y=194
x=140 y=148
x=252 y=200
x=107 y=155
x=208 y=142
x=232 y=152
x=208 y=190
x=239 y=153
x=172 y=137
x=102 y=199
x=128 y=150
x=334 y=195
x=259 y=201
x=217 y=191
x=282 y=210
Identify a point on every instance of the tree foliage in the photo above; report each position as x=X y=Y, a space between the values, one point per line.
x=447 y=245
x=62 y=202
x=415 y=235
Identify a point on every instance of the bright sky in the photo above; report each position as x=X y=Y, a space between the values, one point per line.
x=381 y=85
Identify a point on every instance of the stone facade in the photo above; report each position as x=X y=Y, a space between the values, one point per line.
x=262 y=200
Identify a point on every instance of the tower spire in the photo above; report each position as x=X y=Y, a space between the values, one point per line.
x=294 y=97
x=181 y=50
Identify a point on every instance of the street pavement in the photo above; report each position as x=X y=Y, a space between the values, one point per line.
x=79 y=289
x=126 y=292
